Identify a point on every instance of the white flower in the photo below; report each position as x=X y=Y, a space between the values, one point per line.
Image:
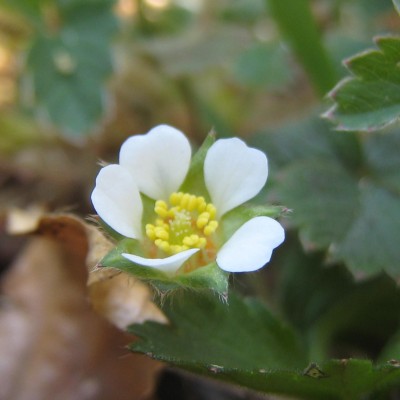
x=185 y=228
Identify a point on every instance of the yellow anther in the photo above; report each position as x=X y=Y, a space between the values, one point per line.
x=192 y=203
x=161 y=208
x=212 y=210
x=188 y=241
x=185 y=200
x=201 y=204
x=182 y=223
x=176 y=248
x=161 y=203
x=175 y=198
x=210 y=228
x=202 y=219
x=161 y=223
x=150 y=232
x=194 y=241
x=161 y=233
x=163 y=245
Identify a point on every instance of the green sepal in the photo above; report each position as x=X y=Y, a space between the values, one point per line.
x=148 y=214
x=194 y=181
x=396 y=4
x=111 y=233
x=235 y=218
x=209 y=277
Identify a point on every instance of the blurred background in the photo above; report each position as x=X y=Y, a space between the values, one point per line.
x=77 y=77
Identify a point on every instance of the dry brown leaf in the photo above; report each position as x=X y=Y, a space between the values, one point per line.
x=53 y=344
x=122 y=299
x=20 y=222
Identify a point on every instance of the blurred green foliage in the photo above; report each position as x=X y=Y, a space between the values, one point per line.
x=67 y=61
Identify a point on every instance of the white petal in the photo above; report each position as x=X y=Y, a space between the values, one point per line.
x=159 y=160
x=250 y=247
x=117 y=200
x=168 y=265
x=234 y=173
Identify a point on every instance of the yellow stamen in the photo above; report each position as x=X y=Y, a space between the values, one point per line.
x=203 y=219
x=176 y=248
x=150 y=232
x=212 y=210
x=161 y=233
x=163 y=245
x=210 y=228
x=192 y=203
x=161 y=208
x=175 y=198
x=201 y=204
x=185 y=223
x=160 y=222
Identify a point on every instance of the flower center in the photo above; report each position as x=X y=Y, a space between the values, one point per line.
x=186 y=222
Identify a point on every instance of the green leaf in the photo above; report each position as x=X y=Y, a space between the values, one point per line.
x=391 y=350
x=364 y=327
x=382 y=157
x=335 y=314
x=307 y=291
x=68 y=68
x=209 y=277
x=295 y=141
x=370 y=99
x=242 y=343
x=298 y=26
x=347 y=211
x=333 y=380
x=371 y=244
x=204 y=332
x=355 y=222
x=90 y=18
x=324 y=198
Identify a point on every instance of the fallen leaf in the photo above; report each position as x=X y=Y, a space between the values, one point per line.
x=20 y=222
x=122 y=299
x=53 y=344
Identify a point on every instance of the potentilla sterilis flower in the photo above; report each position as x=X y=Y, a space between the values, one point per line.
x=184 y=231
